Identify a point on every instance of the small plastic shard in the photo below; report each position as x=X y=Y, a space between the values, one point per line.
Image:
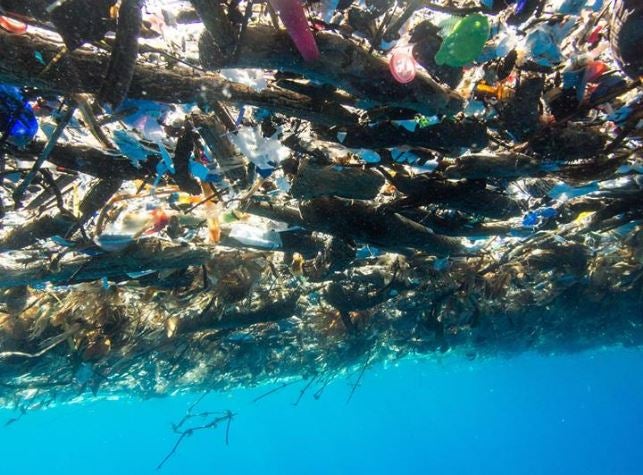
x=113 y=242
x=255 y=237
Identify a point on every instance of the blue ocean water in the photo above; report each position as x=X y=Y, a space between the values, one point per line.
x=566 y=414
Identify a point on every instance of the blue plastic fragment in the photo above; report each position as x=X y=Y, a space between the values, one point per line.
x=129 y=146
x=441 y=264
x=366 y=252
x=548 y=212
x=17 y=119
x=530 y=219
x=606 y=84
x=314 y=297
x=265 y=172
x=62 y=241
x=242 y=112
x=203 y=173
x=572 y=79
x=164 y=165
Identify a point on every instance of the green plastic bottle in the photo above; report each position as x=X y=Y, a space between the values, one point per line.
x=465 y=42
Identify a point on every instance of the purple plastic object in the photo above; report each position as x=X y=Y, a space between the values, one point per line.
x=520 y=6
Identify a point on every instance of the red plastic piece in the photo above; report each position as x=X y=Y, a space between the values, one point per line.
x=12 y=26
x=594 y=71
x=594 y=36
x=159 y=220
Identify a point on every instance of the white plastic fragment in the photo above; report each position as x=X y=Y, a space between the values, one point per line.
x=113 y=242
x=255 y=237
x=254 y=78
x=264 y=152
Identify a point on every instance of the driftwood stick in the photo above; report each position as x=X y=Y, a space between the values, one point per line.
x=461 y=227
x=123 y=60
x=446 y=135
x=140 y=256
x=42 y=228
x=91 y=161
x=314 y=180
x=358 y=221
x=466 y=196
x=51 y=143
x=62 y=224
x=286 y=214
x=182 y=153
x=506 y=165
x=272 y=311
x=19 y=66
x=215 y=134
x=342 y=63
x=366 y=223
x=518 y=165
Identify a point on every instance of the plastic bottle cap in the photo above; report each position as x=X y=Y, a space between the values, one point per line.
x=402 y=65
x=12 y=26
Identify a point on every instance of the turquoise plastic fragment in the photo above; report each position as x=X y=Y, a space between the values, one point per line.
x=465 y=42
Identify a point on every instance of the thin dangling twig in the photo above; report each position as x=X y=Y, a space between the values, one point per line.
x=64 y=121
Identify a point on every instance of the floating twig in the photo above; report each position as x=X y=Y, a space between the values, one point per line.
x=320 y=391
x=302 y=392
x=64 y=120
x=227 y=417
x=273 y=390
x=122 y=63
x=359 y=378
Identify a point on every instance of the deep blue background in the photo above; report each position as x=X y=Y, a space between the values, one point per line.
x=567 y=414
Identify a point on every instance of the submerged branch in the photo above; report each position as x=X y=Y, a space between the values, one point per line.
x=179 y=85
x=141 y=256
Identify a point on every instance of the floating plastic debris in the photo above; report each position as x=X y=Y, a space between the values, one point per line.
x=254 y=236
x=12 y=25
x=402 y=64
x=465 y=42
x=281 y=218
x=292 y=14
x=17 y=121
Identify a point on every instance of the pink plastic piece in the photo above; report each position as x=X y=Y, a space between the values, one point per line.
x=402 y=65
x=293 y=16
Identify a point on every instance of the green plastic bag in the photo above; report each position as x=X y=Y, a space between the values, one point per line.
x=465 y=42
